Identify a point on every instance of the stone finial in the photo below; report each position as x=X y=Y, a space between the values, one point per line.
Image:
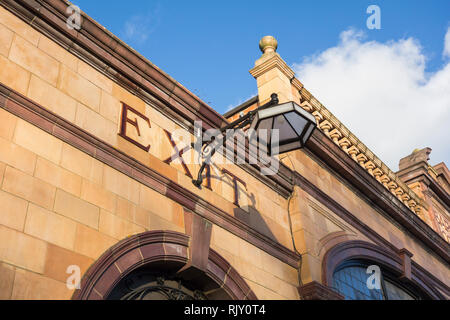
x=268 y=44
x=416 y=157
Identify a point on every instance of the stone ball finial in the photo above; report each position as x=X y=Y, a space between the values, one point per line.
x=268 y=44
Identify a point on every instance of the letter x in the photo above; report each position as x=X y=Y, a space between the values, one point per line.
x=178 y=154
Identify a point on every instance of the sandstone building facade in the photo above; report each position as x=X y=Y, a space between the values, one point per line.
x=93 y=177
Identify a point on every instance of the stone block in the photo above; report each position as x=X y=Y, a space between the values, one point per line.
x=279 y=269
x=34 y=60
x=2 y=172
x=79 y=88
x=76 y=209
x=117 y=227
x=29 y=188
x=17 y=157
x=6 y=38
x=59 y=259
x=110 y=107
x=224 y=239
x=96 y=194
x=13 y=211
x=249 y=253
x=38 y=141
x=7 y=274
x=7 y=124
x=51 y=227
x=58 y=177
x=32 y=286
x=158 y=223
x=21 y=250
x=14 y=76
x=120 y=184
x=18 y=26
x=92 y=243
x=51 y=98
x=94 y=76
x=130 y=99
x=57 y=52
x=82 y=164
x=97 y=125
x=156 y=203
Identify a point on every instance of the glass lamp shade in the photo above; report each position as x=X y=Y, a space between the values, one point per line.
x=287 y=122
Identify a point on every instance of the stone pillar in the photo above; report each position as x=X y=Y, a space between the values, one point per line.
x=273 y=75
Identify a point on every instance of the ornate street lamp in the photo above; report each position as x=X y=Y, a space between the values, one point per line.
x=293 y=124
x=287 y=122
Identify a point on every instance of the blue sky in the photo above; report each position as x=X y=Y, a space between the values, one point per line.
x=209 y=46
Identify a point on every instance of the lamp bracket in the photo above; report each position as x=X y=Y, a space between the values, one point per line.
x=207 y=151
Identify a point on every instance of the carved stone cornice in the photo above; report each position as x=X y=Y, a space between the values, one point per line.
x=145 y=174
x=273 y=62
x=334 y=157
x=419 y=172
x=357 y=151
x=105 y=52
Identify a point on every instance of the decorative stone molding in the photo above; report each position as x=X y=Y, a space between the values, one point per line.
x=273 y=62
x=348 y=142
x=316 y=291
x=297 y=84
x=67 y=132
x=156 y=247
x=335 y=135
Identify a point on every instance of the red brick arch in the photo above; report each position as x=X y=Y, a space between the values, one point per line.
x=167 y=249
x=391 y=260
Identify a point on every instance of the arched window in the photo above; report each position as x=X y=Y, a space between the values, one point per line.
x=145 y=284
x=350 y=279
x=155 y=265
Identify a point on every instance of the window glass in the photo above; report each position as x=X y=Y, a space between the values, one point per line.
x=350 y=280
x=396 y=293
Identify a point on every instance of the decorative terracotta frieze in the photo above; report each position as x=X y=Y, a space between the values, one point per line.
x=340 y=135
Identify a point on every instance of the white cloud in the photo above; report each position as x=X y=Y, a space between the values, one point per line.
x=382 y=93
x=447 y=44
x=138 y=28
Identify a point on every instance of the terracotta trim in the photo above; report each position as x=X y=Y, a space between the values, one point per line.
x=139 y=250
x=199 y=230
x=332 y=156
x=416 y=172
x=114 y=59
x=53 y=124
x=359 y=225
x=109 y=55
x=316 y=291
x=405 y=257
x=391 y=260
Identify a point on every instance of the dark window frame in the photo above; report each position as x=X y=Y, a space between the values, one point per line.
x=386 y=275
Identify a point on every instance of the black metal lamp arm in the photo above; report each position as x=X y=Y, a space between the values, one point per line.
x=239 y=123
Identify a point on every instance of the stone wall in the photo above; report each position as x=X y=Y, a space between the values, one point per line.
x=62 y=207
